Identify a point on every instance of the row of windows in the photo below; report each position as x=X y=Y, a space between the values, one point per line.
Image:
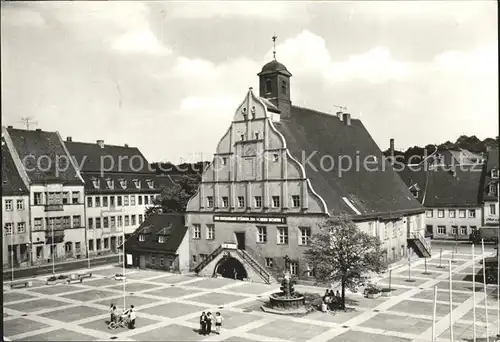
x=454 y=229
x=95 y=201
x=462 y=213
x=21 y=227
x=262 y=234
x=63 y=222
x=105 y=242
x=56 y=197
x=114 y=221
x=123 y=183
x=9 y=204
x=257 y=201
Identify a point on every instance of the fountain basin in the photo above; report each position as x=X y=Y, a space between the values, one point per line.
x=279 y=304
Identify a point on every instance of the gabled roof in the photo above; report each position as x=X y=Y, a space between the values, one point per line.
x=44 y=156
x=170 y=226
x=441 y=187
x=91 y=157
x=12 y=183
x=311 y=133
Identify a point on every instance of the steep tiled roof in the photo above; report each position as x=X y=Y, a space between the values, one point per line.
x=91 y=157
x=44 y=156
x=311 y=133
x=170 y=226
x=492 y=163
x=441 y=187
x=12 y=183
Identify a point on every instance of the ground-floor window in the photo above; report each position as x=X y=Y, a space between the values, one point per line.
x=91 y=245
x=294 y=268
x=162 y=261
x=39 y=252
x=454 y=230
x=98 y=244
x=463 y=230
x=269 y=262
x=153 y=260
x=106 y=243
x=441 y=230
x=77 y=247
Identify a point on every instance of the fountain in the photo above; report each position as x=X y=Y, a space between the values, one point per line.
x=287 y=301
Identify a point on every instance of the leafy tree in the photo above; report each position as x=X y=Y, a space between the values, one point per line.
x=342 y=253
x=175 y=197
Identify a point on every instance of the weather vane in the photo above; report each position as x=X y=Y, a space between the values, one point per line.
x=274 y=46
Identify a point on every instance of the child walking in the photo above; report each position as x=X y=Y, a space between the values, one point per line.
x=218 y=322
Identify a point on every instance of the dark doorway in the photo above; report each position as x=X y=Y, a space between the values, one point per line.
x=232 y=268
x=240 y=240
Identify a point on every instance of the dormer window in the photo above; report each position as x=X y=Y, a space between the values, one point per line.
x=494 y=173
x=123 y=183
x=150 y=183
x=142 y=238
x=95 y=181
x=161 y=239
x=415 y=194
x=493 y=190
x=256 y=135
x=110 y=183
x=268 y=86
x=137 y=183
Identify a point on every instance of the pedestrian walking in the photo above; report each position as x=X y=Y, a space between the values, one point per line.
x=218 y=322
x=203 y=323
x=209 y=318
x=111 y=312
x=131 y=317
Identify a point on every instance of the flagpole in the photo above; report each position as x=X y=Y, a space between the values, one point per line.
x=451 y=303
x=485 y=293
x=12 y=253
x=434 y=315
x=473 y=295
x=53 y=250
x=123 y=245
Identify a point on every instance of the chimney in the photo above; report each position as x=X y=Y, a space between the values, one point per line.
x=100 y=143
x=38 y=129
x=339 y=115
x=10 y=126
x=346 y=117
x=126 y=145
x=69 y=139
x=391 y=147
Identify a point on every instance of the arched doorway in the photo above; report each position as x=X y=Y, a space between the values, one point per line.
x=229 y=267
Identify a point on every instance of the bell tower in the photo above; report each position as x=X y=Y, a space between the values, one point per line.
x=274 y=84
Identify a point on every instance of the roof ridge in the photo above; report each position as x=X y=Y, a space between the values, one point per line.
x=90 y=143
x=322 y=113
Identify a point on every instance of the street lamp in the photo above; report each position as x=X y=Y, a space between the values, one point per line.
x=11 y=251
x=53 y=250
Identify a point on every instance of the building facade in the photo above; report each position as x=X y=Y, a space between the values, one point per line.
x=451 y=196
x=119 y=186
x=161 y=242
x=56 y=226
x=15 y=214
x=272 y=182
x=490 y=190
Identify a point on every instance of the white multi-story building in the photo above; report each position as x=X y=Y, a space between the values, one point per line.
x=490 y=190
x=15 y=214
x=119 y=186
x=55 y=228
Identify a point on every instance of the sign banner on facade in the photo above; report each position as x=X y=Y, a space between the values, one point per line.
x=252 y=219
x=129 y=259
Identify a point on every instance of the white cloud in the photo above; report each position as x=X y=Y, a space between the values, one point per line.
x=140 y=41
x=483 y=60
x=274 y=10
x=216 y=103
x=308 y=53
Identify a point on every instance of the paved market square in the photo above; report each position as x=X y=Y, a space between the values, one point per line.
x=168 y=306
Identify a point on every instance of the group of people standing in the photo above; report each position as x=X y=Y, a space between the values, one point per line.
x=207 y=320
x=126 y=317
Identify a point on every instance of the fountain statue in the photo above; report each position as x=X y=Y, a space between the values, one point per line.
x=287 y=301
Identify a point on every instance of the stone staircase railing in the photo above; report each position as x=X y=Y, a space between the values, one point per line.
x=255 y=265
x=208 y=259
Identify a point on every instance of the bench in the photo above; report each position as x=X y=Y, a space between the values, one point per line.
x=74 y=278
x=19 y=284
x=85 y=275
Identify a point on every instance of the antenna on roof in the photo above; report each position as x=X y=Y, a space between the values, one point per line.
x=274 y=45
x=341 y=108
x=27 y=120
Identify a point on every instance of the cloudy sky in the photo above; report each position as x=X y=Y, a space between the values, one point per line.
x=167 y=76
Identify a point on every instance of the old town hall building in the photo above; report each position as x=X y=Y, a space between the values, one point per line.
x=272 y=182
